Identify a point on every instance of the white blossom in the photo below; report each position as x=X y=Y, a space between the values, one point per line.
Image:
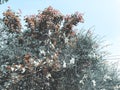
x=49 y=33
x=31 y=60
x=64 y=64
x=85 y=76
x=43 y=52
x=117 y=87
x=23 y=70
x=66 y=40
x=52 y=46
x=81 y=81
x=72 y=61
x=48 y=76
x=18 y=66
x=106 y=77
x=36 y=63
x=12 y=69
x=94 y=83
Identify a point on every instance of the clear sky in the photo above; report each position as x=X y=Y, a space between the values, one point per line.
x=104 y=15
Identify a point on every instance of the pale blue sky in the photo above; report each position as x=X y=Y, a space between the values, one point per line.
x=104 y=15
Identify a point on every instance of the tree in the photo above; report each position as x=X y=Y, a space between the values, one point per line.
x=34 y=53
x=49 y=55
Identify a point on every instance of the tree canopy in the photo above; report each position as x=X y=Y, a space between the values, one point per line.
x=49 y=54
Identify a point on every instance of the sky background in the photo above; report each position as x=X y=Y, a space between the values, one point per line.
x=102 y=15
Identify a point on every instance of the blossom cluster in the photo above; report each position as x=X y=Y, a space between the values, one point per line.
x=17 y=72
x=72 y=20
x=48 y=19
x=12 y=21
